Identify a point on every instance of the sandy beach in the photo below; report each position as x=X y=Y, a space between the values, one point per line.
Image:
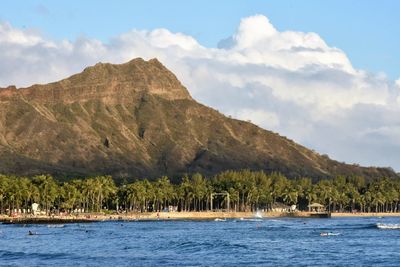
x=143 y=216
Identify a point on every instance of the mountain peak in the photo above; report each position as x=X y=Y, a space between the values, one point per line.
x=114 y=82
x=128 y=120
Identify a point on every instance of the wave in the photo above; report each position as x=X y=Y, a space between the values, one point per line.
x=18 y=255
x=258 y=215
x=364 y=226
x=55 y=225
x=388 y=226
x=349 y=226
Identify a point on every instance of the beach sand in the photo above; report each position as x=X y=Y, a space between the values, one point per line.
x=143 y=216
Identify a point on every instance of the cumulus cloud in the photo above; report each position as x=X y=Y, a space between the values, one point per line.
x=290 y=82
x=259 y=117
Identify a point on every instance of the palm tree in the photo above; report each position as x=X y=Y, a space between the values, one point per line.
x=353 y=195
x=164 y=192
x=24 y=185
x=279 y=184
x=4 y=188
x=234 y=198
x=148 y=194
x=87 y=192
x=48 y=190
x=310 y=194
x=186 y=193
x=70 y=196
x=290 y=194
x=199 y=186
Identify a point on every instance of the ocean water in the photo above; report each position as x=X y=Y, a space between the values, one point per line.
x=266 y=242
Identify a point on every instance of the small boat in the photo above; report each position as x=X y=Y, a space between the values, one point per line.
x=328 y=234
x=220 y=220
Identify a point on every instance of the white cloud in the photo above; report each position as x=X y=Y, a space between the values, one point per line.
x=290 y=82
x=259 y=117
x=17 y=37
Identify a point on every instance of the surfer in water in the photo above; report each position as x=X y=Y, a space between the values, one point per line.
x=32 y=233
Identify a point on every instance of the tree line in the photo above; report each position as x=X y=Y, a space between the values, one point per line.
x=245 y=190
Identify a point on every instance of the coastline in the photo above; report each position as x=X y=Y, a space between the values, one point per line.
x=152 y=216
x=365 y=214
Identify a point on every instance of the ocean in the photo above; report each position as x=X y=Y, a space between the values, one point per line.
x=256 y=242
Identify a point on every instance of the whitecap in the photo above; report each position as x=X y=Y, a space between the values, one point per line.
x=389 y=226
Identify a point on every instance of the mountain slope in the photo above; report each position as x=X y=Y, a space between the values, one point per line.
x=137 y=120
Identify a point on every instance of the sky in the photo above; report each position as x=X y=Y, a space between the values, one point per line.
x=323 y=73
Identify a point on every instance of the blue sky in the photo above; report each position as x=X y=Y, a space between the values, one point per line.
x=367 y=31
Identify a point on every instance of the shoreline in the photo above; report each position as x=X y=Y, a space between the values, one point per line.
x=365 y=214
x=153 y=216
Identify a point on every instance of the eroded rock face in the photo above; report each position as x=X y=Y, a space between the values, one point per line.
x=137 y=120
x=107 y=82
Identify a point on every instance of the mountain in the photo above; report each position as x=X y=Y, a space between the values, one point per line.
x=137 y=120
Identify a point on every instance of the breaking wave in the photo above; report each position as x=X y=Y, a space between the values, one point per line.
x=389 y=226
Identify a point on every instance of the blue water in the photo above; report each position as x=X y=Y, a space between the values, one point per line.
x=270 y=242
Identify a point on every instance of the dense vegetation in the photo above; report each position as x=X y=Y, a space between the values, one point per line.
x=247 y=191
